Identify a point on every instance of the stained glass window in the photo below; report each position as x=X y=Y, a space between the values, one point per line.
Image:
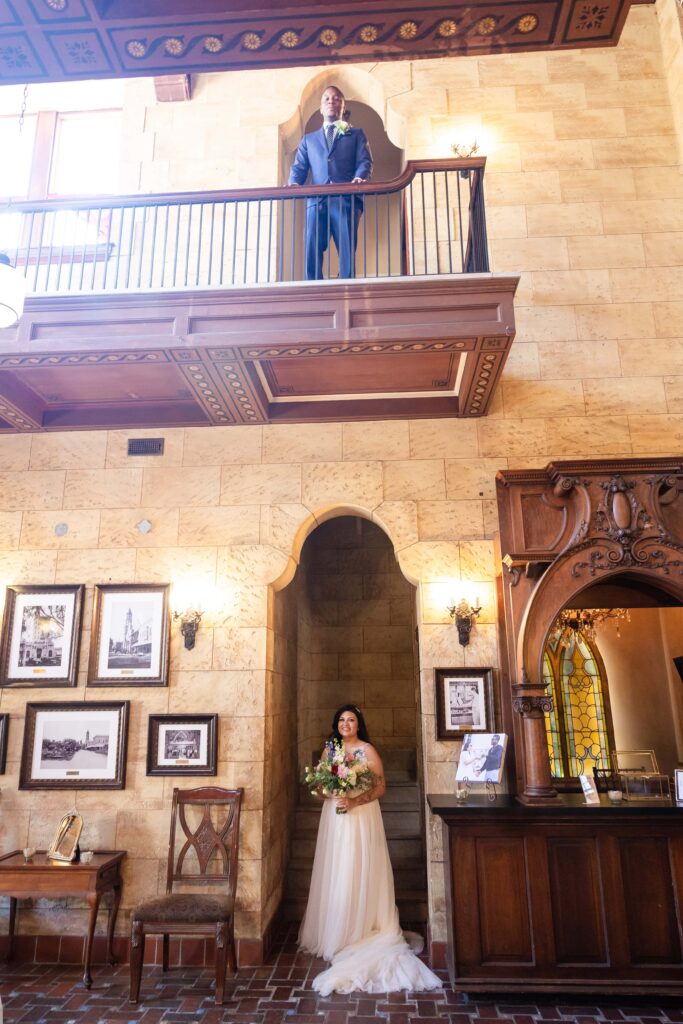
x=578 y=729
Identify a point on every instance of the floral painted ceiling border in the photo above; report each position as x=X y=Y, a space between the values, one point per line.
x=52 y=40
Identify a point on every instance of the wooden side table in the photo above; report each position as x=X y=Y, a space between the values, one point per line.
x=20 y=879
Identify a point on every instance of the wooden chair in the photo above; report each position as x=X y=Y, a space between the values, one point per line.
x=206 y=856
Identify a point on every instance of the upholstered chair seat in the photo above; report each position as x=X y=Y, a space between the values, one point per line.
x=189 y=907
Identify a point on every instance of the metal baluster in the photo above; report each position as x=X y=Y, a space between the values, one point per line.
x=106 y=248
x=118 y=246
x=270 y=238
x=424 y=220
x=29 y=236
x=225 y=214
x=213 y=217
x=190 y=207
x=177 y=242
x=460 y=231
x=365 y=238
x=142 y=246
x=293 y=244
x=281 y=246
x=49 y=262
x=376 y=238
x=73 y=260
x=199 y=241
x=130 y=245
x=388 y=205
x=412 y=229
x=246 y=240
x=234 y=241
x=167 y=213
x=85 y=250
x=436 y=223
x=155 y=217
x=40 y=249
x=97 y=243
x=448 y=224
x=258 y=239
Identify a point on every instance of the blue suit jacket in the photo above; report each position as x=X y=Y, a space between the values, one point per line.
x=349 y=158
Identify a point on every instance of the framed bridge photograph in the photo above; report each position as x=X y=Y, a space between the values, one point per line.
x=40 y=635
x=130 y=631
x=79 y=745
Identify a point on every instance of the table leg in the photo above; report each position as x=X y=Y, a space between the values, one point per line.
x=94 y=904
x=10 y=930
x=113 y=911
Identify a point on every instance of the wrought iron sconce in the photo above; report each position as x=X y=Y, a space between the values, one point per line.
x=189 y=624
x=464 y=616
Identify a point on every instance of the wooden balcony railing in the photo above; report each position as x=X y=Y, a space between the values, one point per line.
x=429 y=220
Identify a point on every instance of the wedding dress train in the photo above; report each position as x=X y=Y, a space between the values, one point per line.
x=351 y=917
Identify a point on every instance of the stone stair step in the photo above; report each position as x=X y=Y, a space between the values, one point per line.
x=408 y=878
x=412 y=907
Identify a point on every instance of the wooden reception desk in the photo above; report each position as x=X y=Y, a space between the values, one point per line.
x=566 y=898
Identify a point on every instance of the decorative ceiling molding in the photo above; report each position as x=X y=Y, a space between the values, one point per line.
x=53 y=40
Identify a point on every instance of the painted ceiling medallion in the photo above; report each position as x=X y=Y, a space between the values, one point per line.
x=486 y=26
x=174 y=46
x=251 y=41
x=289 y=39
x=447 y=28
x=136 y=48
x=527 y=23
x=368 y=34
x=212 y=44
x=407 y=30
x=328 y=37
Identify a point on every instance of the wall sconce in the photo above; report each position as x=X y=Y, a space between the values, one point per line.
x=189 y=624
x=464 y=150
x=464 y=616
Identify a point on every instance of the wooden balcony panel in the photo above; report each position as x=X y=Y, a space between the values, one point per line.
x=309 y=352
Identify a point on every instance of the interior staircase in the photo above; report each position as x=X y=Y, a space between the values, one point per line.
x=402 y=816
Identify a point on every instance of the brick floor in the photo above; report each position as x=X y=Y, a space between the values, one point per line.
x=280 y=993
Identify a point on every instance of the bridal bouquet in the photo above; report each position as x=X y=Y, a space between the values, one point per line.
x=340 y=773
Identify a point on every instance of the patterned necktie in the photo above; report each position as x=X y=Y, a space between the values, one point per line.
x=329 y=135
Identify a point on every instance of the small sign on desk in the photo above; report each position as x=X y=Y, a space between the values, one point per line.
x=590 y=792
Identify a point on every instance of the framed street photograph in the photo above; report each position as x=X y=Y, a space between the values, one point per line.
x=129 y=644
x=464 y=701
x=182 y=745
x=75 y=746
x=4 y=731
x=40 y=634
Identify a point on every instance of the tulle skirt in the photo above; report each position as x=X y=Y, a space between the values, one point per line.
x=351 y=916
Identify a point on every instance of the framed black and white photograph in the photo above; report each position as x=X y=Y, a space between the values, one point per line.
x=40 y=635
x=678 y=776
x=464 y=701
x=75 y=746
x=4 y=731
x=182 y=745
x=130 y=631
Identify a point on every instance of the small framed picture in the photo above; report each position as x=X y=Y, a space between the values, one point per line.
x=678 y=774
x=464 y=701
x=129 y=645
x=182 y=745
x=4 y=732
x=40 y=633
x=75 y=746
x=482 y=757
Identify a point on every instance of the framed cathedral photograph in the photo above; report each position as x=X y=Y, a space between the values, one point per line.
x=40 y=636
x=130 y=630
x=76 y=745
x=464 y=701
x=182 y=745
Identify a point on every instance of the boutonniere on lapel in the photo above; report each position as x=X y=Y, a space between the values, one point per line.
x=341 y=128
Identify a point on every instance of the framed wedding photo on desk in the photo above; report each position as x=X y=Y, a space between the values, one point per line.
x=464 y=701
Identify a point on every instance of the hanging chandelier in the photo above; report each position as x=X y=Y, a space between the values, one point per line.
x=585 y=621
x=12 y=289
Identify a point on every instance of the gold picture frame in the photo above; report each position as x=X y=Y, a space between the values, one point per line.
x=64 y=846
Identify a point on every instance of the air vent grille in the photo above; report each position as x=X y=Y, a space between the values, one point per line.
x=146 y=446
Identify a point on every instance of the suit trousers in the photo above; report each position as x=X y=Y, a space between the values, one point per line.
x=336 y=217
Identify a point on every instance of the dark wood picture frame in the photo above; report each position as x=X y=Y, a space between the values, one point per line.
x=30 y=661
x=197 y=752
x=465 y=702
x=69 y=725
x=142 y=660
x=4 y=733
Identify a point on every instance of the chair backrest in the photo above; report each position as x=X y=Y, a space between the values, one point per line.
x=205 y=824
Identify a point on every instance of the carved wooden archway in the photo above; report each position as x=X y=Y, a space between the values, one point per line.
x=564 y=528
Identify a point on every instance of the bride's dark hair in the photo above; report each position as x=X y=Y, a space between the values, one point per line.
x=362 y=727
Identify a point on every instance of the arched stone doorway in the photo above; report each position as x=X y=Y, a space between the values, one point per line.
x=350 y=618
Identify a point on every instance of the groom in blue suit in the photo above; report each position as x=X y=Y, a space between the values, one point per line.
x=335 y=153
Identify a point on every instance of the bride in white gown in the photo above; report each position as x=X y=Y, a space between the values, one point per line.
x=351 y=917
